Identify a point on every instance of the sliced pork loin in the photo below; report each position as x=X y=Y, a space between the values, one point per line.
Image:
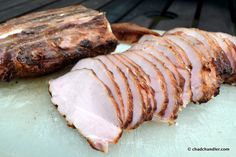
x=157 y=81
x=87 y=104
x=107 y=78
x=232 y=42
x=227 y=43
x=160 y=56
x=168 y=114
x=182 y=72
x=155 y=78
x=122 y=82
x=138 y=93
x=213 y=49
x=144 y=80
x=204 y=81
x=173 y=92
x=163 y=47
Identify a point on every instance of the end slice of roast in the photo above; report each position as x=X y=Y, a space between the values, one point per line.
x=87 y=104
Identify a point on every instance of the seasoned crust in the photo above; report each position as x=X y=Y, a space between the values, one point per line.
x=128 y=105
x=144 y=81
x=157 y=81
x=40 y=48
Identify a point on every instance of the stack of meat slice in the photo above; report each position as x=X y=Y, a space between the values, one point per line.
x=154 y=79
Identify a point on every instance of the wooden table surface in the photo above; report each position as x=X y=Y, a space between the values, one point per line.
x=211 y=15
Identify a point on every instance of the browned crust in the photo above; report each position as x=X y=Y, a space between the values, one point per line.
x=118 y=109
x=177 y=56
x=208 y=73
x=129 y=118
x=177 y=97
x=232 y=49
x=213 y=68
x=163 y=87
x=114 y=142
x=231 y=80
x=140 y=89
x=130 y=32
x=221 y=61
x=188 y=66
x=144 y=82
x=110 y=74
x=47 y=47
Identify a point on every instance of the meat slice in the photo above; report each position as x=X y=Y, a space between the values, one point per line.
x=204 y=83
x=157 y=81
x=92 y=111
x=213 y=50
x=182 y=73
x=125 y=90
x=226 y=48
x=139 y=107
x=174 y=98
x=231 y=43
x=173 y=90
x=43 y=42
x=144 y=80
x=164 y=48
x=146 y=47
x=106 y=77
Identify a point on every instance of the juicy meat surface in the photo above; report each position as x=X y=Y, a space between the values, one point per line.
x=123 y=84
x=213 y=49
x=157 y=81
x=174 y=99
x=139 y=107
x=144 y=80
x=92 y=111
x=203 y=77
x=181 y=71
x=43 y=42
x=106 y=76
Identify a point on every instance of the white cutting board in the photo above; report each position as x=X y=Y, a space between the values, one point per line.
x=30 y=126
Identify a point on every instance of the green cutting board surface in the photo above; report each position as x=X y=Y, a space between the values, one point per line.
x=30 y=126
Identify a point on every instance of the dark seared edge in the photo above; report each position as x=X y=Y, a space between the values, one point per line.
x=42 y=47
